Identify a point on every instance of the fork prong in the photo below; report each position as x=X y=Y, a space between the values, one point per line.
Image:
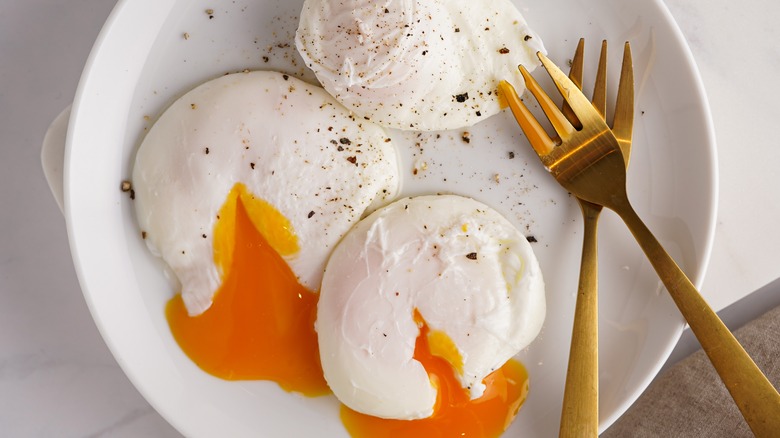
x=575 y=74
x=580 y=104
x=562 y=127
x=537 y=136
x=623 y=121
x=600 y=88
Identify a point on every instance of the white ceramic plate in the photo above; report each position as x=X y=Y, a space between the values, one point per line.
x=142 y=62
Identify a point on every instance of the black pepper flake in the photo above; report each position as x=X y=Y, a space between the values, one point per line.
x=352 y=160
x=462 y=97
x=511 y=154
x=466 y=137
x=471 y=256
x=387 y=11
x=457 y=29
x=503 y=50
x=479 y=113
x=345 y=140
x=266 y=59
x=285 y=77
x=527 y=37
x=424 y=52
x=311 y=213
x=203 y=236
x=340 y=148
x=132 y=194
x=252 y=165
x=531 y=239
x=126 y=186
x=143 y=234
x=384 y=334
x=207 y=151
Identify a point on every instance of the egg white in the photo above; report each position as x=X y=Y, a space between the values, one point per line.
x=469 y=272
x=417 y=64
x=290 y=143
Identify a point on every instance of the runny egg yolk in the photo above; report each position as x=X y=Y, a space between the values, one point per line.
x=454 y=414
x=260 y=325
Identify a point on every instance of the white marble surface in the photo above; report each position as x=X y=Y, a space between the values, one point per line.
x=57 y=378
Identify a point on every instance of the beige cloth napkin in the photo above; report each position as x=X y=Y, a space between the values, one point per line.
x=689 y=400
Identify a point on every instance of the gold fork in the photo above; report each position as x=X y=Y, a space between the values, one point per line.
x=580 y=413
x=589 y=163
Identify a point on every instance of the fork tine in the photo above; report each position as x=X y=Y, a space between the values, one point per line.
x=573 y=96
x=623 y=121
x=562 y=127
x=600 y=88
x=537 y=136
x=575 y=74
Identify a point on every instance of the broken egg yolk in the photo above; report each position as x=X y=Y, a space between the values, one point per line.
x=454 y=414
x=260 y=325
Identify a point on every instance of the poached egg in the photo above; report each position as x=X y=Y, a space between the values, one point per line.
x=451 y=262
x=307 y=170
x=416 y=64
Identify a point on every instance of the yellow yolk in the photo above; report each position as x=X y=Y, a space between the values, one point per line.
x=261 y=323
x=267 y=220
x=441 y=345
x=454 y=414
x=260 y=326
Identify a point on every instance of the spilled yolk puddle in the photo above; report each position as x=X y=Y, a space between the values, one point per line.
x=260 y=326
x=454 y=413
x=261 y=323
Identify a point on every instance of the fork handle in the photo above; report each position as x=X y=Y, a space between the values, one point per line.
x=754 y=395
x=580 y=413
